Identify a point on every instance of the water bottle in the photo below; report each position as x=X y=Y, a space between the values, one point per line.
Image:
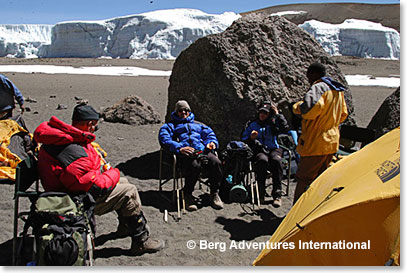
x=229 y=179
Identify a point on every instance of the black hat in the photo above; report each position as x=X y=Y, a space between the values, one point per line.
x=84 y=112
x=265 y=106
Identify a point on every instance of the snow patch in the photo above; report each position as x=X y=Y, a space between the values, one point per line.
x=369 y=80
x=94 y=70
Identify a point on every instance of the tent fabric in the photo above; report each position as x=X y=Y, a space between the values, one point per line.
x=8 y=160
x=353 y=204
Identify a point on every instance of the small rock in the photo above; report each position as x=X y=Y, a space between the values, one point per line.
x=35 y=113
x=82 y=102
x=78 y=98
x=28 y=99
x=62 y=107
x=120 y=138
x=27 y=109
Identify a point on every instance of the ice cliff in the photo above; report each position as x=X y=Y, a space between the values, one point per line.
x=23 y=41
x=163 y=34
x=159 y=34
x=356 y=38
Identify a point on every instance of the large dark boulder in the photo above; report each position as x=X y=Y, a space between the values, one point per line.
x=225 y=76
x=388 y=116
x=132 y=110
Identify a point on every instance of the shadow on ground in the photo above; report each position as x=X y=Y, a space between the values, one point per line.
x=242 y=230
x=6 y=250
x=146 y=166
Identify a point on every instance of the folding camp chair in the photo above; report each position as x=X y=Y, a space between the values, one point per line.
x=170 y=159
x=287 y=144
x=26 y=176
x=251 y=182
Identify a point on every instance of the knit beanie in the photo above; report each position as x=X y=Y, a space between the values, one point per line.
x=84 y=112
x=182 y=104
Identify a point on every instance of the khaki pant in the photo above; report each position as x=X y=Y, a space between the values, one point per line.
x=309 y=169
x=124 y=199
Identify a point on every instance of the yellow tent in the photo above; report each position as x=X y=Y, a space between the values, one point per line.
x=350 y=215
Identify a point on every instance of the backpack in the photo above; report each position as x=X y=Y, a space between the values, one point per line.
x=235 y=159
x=63 y=227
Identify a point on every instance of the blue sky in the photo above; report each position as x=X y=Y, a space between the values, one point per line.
x=54 y=11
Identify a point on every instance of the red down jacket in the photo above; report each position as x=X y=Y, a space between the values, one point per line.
x=69 y=163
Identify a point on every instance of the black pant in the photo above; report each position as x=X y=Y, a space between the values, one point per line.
x=272 y=162
x=192 y=167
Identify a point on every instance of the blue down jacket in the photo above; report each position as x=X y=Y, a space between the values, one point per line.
x=268 y=131
x=180 y=133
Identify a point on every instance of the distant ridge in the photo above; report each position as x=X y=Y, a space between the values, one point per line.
x=386 y=14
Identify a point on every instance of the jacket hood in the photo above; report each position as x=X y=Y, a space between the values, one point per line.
x=333 y=84
x=176 y=119
x=57 y=132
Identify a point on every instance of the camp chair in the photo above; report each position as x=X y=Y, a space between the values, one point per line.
x=170 y=159
x=26 y=176
x=287 y=144
x=353 y=138
x=250 y=181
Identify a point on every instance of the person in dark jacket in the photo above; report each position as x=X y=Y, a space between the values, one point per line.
x=70 y=162
x=261 y=135
x=186 y=138
x=9 y=92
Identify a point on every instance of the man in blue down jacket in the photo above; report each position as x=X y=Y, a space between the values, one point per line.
x=185 y=138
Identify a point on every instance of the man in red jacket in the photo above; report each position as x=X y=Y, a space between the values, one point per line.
x=68 y=162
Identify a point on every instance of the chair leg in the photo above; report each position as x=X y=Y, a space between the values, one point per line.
x=178 y=206
x=252 y=189
x=183 y=202
x=160 y=171
x=257 y=194
x=288 y=174
x=14 y=259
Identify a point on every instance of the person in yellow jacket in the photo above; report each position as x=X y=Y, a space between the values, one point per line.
x=322 y=109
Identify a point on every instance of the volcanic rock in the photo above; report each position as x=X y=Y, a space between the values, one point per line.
x=388 y=116
x=132 y=110
x=225 y=76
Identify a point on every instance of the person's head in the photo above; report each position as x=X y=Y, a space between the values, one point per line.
x=315 y=72
x=85 y=118
x=264 y=110
x=182 y=109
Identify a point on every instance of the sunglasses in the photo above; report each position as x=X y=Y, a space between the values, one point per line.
x=183 y=110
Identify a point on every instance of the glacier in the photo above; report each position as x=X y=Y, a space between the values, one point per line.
x=163 y=34
x=354 y=37
x=23 y=41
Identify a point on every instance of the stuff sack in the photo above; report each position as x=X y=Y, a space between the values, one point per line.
x=63 y=229
x=16 y=144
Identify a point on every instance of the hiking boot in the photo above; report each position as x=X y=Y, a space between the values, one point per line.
x=148 y=246
x=190 y=204
x=216 y=202
x=123 y=228
x=277 y=202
